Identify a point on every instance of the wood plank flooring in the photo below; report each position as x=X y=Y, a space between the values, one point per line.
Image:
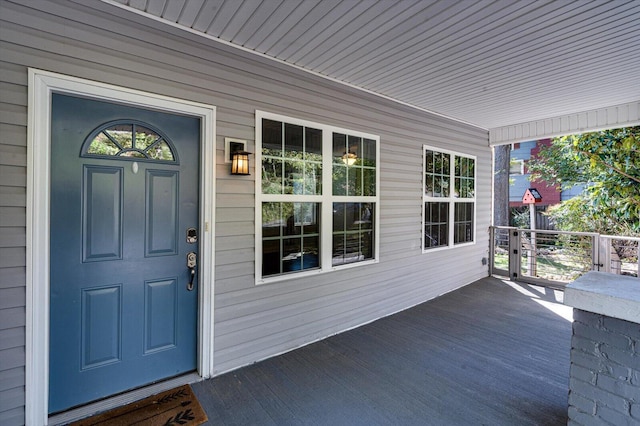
x=491 y=353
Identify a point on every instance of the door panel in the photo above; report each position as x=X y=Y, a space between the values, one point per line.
x=102 y=218
x=162 y=212
x=120 y=312
x=101 y=329
x=160 y=320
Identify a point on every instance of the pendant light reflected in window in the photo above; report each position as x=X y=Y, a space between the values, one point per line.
x=349 y=158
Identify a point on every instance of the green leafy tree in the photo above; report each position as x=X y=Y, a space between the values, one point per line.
x=607 y=163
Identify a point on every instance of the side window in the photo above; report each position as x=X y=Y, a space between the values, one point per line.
x=448 y=199
x=316 y=195
x=516 y=167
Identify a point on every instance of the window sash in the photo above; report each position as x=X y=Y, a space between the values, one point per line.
x=290 y=237
x=463 y=223
x=436 y=224
x=291 y=161
x=353 y=233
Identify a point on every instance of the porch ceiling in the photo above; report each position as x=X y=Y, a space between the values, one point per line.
x=489 y=63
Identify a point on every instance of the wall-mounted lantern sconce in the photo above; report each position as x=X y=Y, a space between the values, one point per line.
x=235 y=152
x=349 y=158
x=240 y=163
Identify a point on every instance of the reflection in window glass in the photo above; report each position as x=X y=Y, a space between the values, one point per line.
x=353 y=238
x=436 y=224
x=354 y=166
x=313 y=144
x=272 y=175
x=160 y=151
x=121 y=134
x=271 y=138
x=131 y=154
x=145 y=137
x=102 y=145
x=464 y=177
x=129 y=140
x=369 y=152
x=291 y=159
x=463 y=223
x=437 y=174
x=293 y=140
x=294 y=181
x=290 y=237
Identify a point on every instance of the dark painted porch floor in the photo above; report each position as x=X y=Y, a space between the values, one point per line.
x=488 y=354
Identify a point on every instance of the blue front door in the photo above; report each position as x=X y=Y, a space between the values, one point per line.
x=124 y=214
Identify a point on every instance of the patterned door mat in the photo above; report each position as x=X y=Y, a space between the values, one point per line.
x=177 y=406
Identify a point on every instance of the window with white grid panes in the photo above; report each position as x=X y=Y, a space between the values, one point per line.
x=316 y=197
x=448 y=199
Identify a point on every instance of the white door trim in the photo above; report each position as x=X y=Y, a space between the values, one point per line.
x=41 y=86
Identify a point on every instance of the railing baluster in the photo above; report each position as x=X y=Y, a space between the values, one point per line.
x=514 y=254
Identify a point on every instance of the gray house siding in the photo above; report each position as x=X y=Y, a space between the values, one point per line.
x=97 y=41
x=13 y=172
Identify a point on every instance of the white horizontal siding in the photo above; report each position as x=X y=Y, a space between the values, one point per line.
x=252 y=322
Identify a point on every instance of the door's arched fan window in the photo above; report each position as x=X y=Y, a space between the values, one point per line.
x=131 y=140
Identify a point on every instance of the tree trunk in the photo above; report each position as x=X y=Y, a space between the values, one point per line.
x=502 y=155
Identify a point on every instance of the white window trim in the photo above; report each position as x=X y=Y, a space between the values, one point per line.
x=326 y=199
x=451 y=199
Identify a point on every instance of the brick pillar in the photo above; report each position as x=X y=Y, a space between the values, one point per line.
x=604 y=378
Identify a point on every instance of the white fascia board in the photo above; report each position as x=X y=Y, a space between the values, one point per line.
x=613 y=117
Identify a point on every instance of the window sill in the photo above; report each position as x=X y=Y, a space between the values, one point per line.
x=472 y=243
x=314 y=272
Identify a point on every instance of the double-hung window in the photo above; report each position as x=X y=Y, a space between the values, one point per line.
x=448 y=198
x=317 y=197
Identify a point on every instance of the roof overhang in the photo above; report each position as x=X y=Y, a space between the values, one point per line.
x=522 y=70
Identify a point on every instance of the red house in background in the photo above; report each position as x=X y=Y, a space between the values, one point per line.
x=519 y=176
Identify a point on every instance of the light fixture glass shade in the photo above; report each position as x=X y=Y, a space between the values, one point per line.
x=349 y=158
x=240 y=163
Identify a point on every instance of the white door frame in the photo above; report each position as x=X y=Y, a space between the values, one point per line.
x=42 y=84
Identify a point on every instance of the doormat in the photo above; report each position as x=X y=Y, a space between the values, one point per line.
x=177 y=406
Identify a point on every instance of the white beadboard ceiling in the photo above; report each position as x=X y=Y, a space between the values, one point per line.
x=489 y=63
